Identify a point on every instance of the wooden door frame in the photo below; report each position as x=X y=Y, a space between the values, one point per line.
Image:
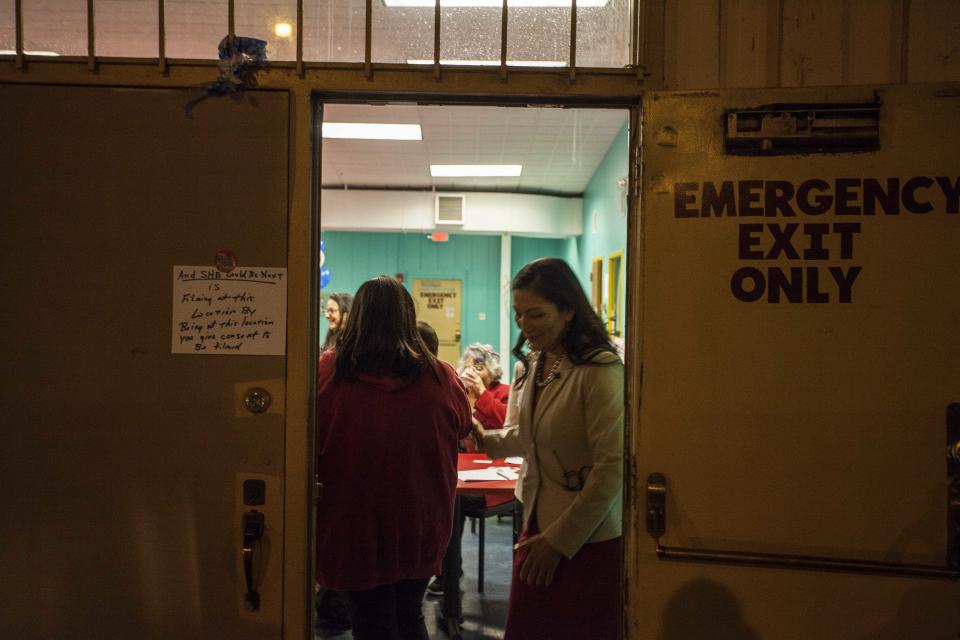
x=633 y=269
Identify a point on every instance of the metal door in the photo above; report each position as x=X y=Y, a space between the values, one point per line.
x=798 y=303
x=123 y=463
x=438 y=304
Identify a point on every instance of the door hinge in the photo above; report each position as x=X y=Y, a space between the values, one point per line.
x=635 y=171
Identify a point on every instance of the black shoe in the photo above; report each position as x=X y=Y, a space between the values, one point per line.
x=435 y=588
x=333 y=612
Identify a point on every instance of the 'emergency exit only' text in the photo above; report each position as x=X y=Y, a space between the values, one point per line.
x=807 y=242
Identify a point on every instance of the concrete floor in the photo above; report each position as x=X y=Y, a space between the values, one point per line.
x=484 y=613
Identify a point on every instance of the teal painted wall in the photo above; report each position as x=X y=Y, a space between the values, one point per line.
x=603 y=196
x=354 y=257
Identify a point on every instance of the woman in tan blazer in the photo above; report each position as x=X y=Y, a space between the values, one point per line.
x=566 y=581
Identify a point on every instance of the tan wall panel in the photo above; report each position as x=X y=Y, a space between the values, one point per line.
x=711 y=44
x=811 y=43
x=934 y=41
x=744 y=43
x=692 y=43
x=868 y=38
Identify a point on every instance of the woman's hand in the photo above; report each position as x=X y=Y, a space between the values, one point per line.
x=474 y=384
x=477 y=431
x=541 y=563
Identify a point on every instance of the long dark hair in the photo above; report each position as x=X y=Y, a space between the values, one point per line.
x=553 y=280
x=344 y=302
x=381 y=337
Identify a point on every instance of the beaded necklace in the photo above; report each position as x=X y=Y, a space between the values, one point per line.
x=538 y=378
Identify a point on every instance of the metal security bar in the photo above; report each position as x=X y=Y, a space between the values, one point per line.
x=436 y=39
x=809 y=563
x=162 y=36
x=503 y=40
x=573 y=40
x=300 y=38
x=91 y=39
x=18 y=10
x=368 y=33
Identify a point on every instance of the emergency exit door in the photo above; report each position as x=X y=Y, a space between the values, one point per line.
x=133 y=476
x=438 y=304
x=799 y=303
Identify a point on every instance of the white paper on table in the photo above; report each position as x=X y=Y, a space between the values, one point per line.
x=514 y=460
x=489 y=474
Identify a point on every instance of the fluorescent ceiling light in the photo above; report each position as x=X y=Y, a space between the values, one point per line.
x=475 y=170
x=496 y=3
x=12 y=52
x=371 y=131
x=496 y=63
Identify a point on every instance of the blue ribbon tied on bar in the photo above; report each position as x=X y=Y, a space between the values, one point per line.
x=240 y=59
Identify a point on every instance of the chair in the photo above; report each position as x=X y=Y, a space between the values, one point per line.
x=510 y=507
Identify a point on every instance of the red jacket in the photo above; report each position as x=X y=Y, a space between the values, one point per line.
x=491 y=407
x=387 y=459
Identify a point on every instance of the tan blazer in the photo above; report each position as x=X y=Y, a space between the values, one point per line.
x=577 y=425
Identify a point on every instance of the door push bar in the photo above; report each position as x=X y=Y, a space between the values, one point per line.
x=656 y=517
x=254 y=495
x=253 y=525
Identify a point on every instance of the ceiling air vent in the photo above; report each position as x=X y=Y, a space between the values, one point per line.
x=450 y=208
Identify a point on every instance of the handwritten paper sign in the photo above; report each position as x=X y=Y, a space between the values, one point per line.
x=243 y=312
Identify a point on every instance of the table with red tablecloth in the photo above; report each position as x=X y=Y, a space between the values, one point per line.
x=495 y=492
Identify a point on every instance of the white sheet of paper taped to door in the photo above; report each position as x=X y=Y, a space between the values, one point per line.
x=243 y=312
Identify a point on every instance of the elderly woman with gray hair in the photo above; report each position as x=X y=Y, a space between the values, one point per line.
x=480 y=371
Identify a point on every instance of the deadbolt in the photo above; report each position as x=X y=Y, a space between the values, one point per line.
x=257 y=400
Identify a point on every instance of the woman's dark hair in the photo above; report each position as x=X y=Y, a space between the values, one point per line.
x=429 y=336
x=381 y=337
x=344 y=302
x=553 y=280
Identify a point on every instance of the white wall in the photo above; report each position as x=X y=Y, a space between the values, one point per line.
x=489 y=213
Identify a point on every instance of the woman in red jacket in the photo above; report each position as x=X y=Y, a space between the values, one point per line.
x=480 y=371
x=389 y=415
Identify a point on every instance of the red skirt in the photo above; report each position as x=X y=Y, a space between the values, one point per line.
x=585 y=599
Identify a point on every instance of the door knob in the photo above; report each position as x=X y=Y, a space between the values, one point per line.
x=257 y=400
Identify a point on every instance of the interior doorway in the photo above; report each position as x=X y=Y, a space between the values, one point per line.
x=453 y=200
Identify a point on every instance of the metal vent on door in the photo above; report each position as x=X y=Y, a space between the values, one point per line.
x=450 y=208
x=803 y=129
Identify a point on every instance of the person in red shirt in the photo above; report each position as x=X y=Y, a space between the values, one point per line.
x=389 y=415
x=481 y=371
